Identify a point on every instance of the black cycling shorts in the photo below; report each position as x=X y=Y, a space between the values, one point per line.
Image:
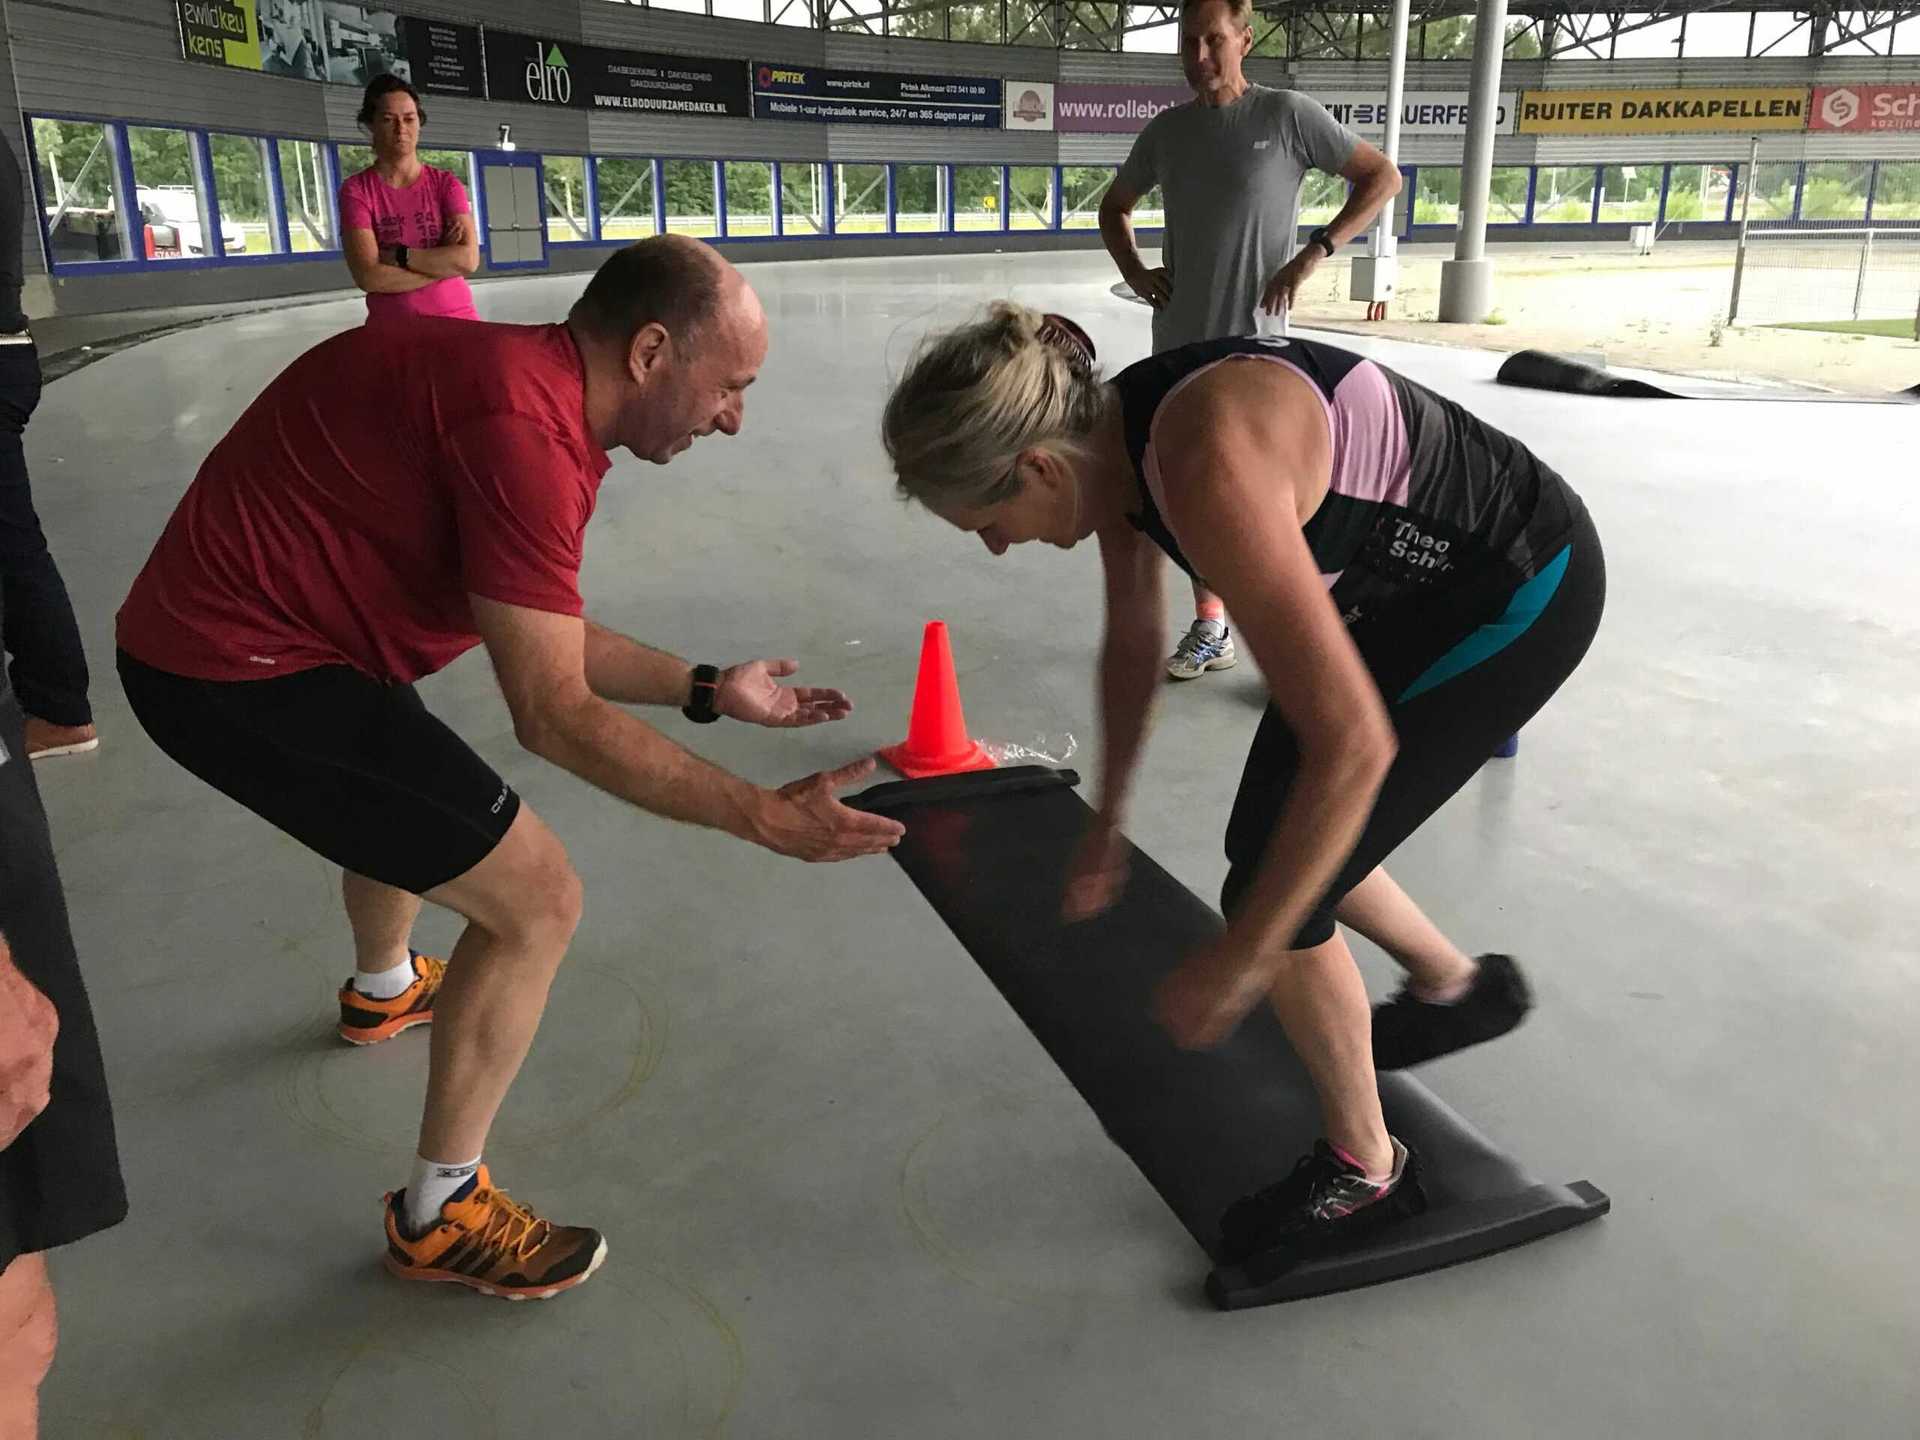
x=352 y=768
x=1454 y=692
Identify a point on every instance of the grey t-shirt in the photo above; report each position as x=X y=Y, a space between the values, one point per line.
x=1231 y=179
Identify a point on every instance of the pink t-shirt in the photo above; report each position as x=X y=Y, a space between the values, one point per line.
x=416 y=217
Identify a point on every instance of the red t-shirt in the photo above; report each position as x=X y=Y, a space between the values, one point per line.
x=384 y=476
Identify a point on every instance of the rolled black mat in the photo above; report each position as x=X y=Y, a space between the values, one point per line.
x=1540 y=370
x=1572 y=375
x=989 y=851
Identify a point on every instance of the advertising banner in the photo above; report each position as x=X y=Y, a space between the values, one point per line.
x=1422 y=112
x=1663 y=111
x=1029 y=105
x=537 y=71
x=1112 y=109
x=331 y=41
x=444 y=57
x=1866 y=107
x=219 y=32
x=783 y=91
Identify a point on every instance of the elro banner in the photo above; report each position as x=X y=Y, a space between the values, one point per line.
x=537 y=71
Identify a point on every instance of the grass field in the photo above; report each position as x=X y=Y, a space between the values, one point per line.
x=1664 y=311
x=1891 y=329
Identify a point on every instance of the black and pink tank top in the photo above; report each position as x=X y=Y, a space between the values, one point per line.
x=1425 y=499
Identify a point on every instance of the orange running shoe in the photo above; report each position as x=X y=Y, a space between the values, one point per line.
x=494 y=1245
x=367 y=1021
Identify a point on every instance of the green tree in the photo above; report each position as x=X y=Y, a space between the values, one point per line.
x=76 y=164
x=689 y=186
x=916 y=190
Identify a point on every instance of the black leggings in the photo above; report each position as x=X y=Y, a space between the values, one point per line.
x=1445 y=735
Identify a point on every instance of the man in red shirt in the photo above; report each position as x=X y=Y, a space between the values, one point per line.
x=391 y=500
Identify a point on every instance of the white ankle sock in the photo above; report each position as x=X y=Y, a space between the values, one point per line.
x=1212 y=629
x=431 y=1186
x=385 y=984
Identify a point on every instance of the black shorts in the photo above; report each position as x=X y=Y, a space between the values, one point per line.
x=60 y=1178
x=1447 y=724
x=354 y=769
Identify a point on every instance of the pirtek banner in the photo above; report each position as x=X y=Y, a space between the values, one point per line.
x=1866 y=107
x=1662 y=111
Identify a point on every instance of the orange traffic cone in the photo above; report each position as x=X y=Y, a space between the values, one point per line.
x=937 y=742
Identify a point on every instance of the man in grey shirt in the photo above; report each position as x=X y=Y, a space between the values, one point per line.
x=1229 y=165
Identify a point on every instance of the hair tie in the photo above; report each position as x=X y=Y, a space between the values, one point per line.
x=1070 y=340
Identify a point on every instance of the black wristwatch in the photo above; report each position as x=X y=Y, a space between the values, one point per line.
x=706 y=690
x=400 y=256
x=1319 y=237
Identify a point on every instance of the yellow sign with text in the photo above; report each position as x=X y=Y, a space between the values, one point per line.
x=1662 y=111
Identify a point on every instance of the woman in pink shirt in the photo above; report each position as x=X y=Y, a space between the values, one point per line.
x=407 y=227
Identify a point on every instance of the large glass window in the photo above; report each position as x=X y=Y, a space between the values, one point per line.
x=172 y=209
x=919 y=200
x=860 y=199
x=1321 y=197
x=1030 y=197
x=1896 y=194
x=626 y=197
x=1698 y=189
x=1563 y=195
x=1151 y=212
x=1772 y=185
x=79 y=191
x=1083 y=187
x=1630 y=192
x=565 y=178
x=243 y=195
x=460 y=162
x=307 y=192
x=803 y=198
x=749 y=196
x=354 y=159
x=1436 y=198
x=689 y=186
x=1835 y=190
x=976 y=197
x=1507 y=199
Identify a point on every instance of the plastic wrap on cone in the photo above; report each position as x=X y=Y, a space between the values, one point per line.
x=937 y=741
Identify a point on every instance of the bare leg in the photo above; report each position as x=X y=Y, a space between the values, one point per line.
x=1380 y=910
x=522 y=902
x=1207 y=605
x=1322 y=1005
x=382 y=919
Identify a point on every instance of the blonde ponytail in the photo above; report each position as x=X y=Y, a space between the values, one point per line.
x=976 y=398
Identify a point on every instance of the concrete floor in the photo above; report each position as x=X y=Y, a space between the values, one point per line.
x=847 y=1194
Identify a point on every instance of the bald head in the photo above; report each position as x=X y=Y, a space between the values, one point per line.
x=671 y=335
x=671 y=281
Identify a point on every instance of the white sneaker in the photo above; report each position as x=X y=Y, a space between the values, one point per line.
x=1207 y=645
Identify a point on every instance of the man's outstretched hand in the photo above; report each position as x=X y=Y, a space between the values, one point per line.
x=806 y=821
x=753 y=692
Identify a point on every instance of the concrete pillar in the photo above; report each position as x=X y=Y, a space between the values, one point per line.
x=1396 y=102
x=1466 y=281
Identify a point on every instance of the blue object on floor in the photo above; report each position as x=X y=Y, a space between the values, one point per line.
x=1509 y=748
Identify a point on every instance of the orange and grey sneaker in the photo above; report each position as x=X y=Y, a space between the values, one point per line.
x=367 y=1021
x=494 y=1245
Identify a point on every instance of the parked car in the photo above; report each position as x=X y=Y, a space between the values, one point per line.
x=177 y=208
